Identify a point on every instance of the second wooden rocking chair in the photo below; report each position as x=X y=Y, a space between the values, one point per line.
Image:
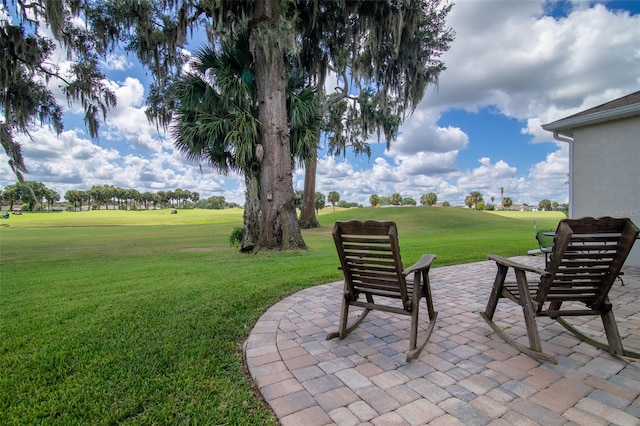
x=586 y=259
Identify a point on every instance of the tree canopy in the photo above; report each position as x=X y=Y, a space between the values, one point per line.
x=473 y=200
x=429 y=199
x=384 y=55
x=389 y=50
x=29 y=71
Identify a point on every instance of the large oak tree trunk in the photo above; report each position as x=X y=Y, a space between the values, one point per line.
x=251 y=211
x=308 y=214
x=278 y=223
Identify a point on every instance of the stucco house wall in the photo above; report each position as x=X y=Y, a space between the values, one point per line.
x=604 y=151
x=606 y=173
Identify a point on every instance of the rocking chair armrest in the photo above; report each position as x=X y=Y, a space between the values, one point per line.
x=516 y=265
x=422 y=264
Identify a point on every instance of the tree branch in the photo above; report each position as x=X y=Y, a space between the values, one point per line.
x=337 y=97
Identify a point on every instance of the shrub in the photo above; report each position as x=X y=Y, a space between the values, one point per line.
x=236 y=236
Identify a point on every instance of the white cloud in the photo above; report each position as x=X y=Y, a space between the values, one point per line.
x=117 y=62
x=5 y=18
x=505 y=54
x=550 y=177
x=420 y=133
x=428 y=163
x=128 y=121
x=484 y=178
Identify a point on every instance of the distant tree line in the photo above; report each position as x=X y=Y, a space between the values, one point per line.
x=32 y=196
x=397 y=199
x=476 y=201
x=129 y=198
x=332 y=197
x=547 y=205
x=216 y=202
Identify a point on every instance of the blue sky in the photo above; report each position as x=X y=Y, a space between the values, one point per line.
x=515 y=64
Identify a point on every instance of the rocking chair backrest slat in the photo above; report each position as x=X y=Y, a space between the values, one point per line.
x=370 y=259
x=587 y=256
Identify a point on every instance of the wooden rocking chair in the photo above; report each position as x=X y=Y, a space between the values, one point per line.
x=587 y=256
x=370 y=259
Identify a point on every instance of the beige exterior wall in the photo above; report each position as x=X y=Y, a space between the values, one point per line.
x=606 y=173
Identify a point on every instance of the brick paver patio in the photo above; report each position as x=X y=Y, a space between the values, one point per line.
x=466 y=374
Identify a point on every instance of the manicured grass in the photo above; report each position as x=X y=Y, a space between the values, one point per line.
x=123 y=317
x=104 y=217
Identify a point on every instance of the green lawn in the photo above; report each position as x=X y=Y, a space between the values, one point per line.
x=139 y=317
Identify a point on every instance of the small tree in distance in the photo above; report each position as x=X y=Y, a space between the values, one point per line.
x=408 y=201
x=474 y=200
x=507 y=202
x=319 y=204
x=468 y=201
x=333 y=198
x=429 y=199
x=544 y=205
